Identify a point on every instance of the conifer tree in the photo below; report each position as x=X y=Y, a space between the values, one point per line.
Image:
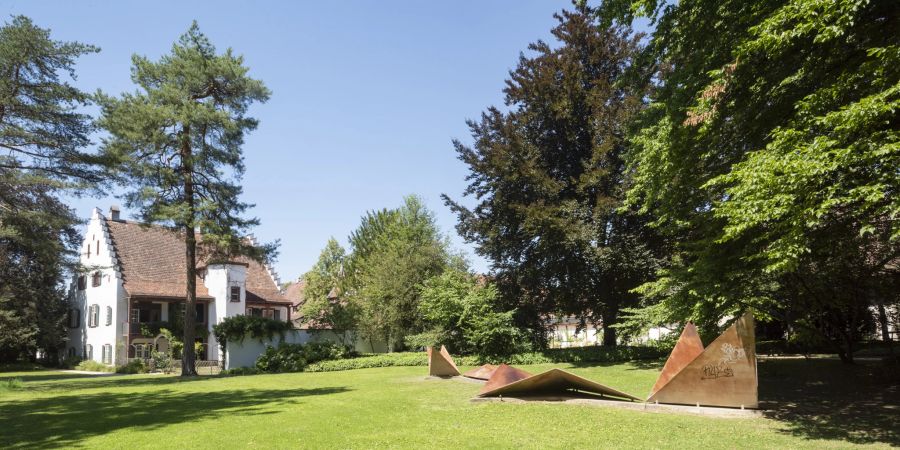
x=43 y=135
x=178 y=141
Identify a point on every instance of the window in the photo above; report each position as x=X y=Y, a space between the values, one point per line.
x=82 y=282
x=87 y=253
x=135 y=315
x=106 y=354
x=142 y=351
x=71 y=352
x=95 y=279
x=98 y=247
x=267 y=314
x=89 y=351
x=93 y=315
x=235 y=293
x=108 y=315
x=199 y=316
x=277 y=314
x=255 y=312
x=74 y=318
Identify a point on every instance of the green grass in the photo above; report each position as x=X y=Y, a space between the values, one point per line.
x=398 y=407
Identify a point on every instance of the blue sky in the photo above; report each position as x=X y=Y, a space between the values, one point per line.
x=366 y=96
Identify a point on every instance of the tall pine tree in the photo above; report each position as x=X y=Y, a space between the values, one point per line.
x=178 y=142
x=43 y=135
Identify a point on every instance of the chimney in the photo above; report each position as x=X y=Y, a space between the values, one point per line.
x=114 y=212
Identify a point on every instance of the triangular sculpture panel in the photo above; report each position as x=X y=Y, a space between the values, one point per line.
x=688 y=347
x=481 y=373
x=503 y=376
x=440 y=364
x=722 y=375
x=553 y=381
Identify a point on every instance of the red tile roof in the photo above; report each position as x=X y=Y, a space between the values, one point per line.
x=151 y=260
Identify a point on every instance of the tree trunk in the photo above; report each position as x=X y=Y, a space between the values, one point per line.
x=188 y=366
x=609 y=319
x=883 y=322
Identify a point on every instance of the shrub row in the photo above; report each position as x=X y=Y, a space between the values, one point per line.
x=595 y=354
x=296 y=357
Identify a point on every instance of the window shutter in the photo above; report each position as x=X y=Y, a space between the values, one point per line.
x=108 y=315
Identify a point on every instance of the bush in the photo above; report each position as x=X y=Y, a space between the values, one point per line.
x=133 y=366
x=162 y=362
x=20 y=367
x=241 y=371
x=295 y=357
x=93 y=366
x=464 y=314
x=596 y=354
x=10 y=384
x=70 y=362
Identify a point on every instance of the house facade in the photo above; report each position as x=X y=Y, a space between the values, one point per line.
x=134 y=285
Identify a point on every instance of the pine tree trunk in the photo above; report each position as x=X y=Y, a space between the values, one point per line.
x=188 y=366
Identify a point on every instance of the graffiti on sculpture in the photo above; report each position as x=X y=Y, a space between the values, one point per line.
x=730 y=354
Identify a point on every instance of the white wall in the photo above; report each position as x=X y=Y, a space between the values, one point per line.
x=218 y=280
x=244 y=354
x=110 y=293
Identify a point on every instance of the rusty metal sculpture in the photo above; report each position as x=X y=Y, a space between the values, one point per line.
x=440 y=364
x=551 y=382
x=688 y=347
x=502 y=376
x=481 y=373
x=722 y=375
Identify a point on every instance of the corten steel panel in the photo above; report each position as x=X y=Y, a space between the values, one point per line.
x=481 y=373
x=688 y=347
x=723 y=375
x=554 y=381
x=503 y=376
x=440 y=364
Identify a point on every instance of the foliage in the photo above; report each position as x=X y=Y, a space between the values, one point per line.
x=42 y=135
x=461 y=312
x=574 y=355
x=322 y=304
x=549 y=178
x=177 y=143
x=162 y=362
x=10 y=384
x=237 y=328
x=296 y=357
x=769 y=159
x=241 y=371
x=89 y=365
x=132 y=367
x=393 y=253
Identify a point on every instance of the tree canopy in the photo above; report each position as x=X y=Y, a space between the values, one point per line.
x=769 y=157
x=178 y=145
x=549 y=178
x=43 y=135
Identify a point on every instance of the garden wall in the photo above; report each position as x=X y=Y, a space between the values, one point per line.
x=244 y=354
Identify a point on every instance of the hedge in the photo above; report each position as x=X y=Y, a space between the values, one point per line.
x=596 y=354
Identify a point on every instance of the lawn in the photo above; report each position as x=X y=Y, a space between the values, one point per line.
x=812 y=404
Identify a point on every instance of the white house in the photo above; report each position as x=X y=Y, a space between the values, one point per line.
x=135 y=284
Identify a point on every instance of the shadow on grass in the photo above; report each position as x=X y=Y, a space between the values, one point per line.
x=38 y=377
x=59 y=421
x=824 y=399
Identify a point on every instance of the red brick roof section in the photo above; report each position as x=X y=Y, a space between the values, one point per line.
x=151 y=260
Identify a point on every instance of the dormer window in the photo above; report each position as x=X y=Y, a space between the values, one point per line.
x=95 y=279
x=235 y=294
